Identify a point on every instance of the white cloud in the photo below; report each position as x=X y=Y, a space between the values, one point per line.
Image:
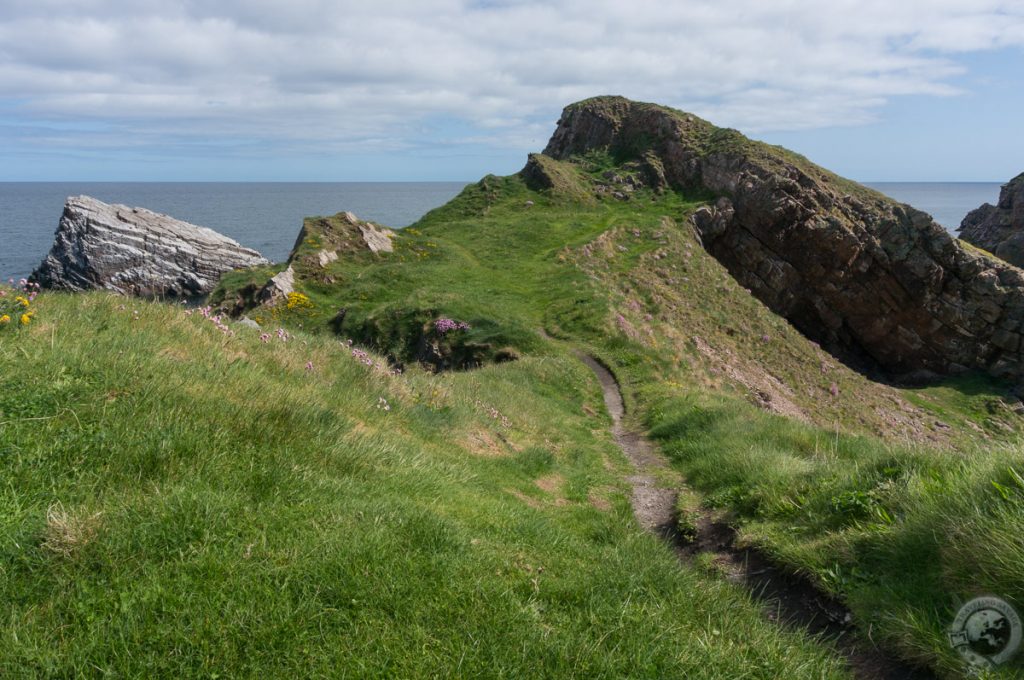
x=347 y=74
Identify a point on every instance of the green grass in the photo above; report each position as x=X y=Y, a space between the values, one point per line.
x=883 y=495
x=904 y=534
x=179 y=503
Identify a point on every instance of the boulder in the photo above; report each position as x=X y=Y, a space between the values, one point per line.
x=377 y=239
x=999 y=228
x=279 y=287
x=136 y=251
x=325 y=257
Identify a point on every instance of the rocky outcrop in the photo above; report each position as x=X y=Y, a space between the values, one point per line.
x=136 y=251
x=321 y=242
x=999 y=228
x=323 y=239
x=279 y=287
x=869 y=278
x=377 y=239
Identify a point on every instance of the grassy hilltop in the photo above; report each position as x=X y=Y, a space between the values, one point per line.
x=181 y=499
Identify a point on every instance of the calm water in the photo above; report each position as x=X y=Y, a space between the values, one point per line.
x=264 y=216
x=947 y=202
x=267 y=216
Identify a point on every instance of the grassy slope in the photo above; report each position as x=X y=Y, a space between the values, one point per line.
x=176 y=502
x=885 y=495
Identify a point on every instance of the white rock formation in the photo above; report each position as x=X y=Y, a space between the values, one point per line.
x=325 y=257
x=137 y=251
x=279 y=287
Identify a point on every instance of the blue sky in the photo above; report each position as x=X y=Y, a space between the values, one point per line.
x=334 y=90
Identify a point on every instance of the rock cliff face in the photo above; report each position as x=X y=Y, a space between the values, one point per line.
x=999 y=228
x=867 y=277
x=136 y=251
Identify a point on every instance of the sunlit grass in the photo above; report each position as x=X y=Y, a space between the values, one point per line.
x=182 y=501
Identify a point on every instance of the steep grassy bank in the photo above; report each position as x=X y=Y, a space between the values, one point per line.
x=178 y=501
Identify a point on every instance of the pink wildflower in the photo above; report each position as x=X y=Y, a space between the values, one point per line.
x=444 y=325
x=362 y=356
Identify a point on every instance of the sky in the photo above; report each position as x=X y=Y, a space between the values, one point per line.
x=419 y=90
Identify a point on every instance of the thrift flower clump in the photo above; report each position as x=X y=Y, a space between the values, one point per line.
x=207 y=313
x=445 y=325
x=16 y=303
x=364 y=358
x=361 y=356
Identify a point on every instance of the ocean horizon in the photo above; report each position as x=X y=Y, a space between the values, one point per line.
x=267 y=215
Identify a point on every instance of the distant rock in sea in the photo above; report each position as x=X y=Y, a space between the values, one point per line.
x=136 y=251
x=999 y=229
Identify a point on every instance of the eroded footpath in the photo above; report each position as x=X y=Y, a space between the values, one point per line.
x=787 y=599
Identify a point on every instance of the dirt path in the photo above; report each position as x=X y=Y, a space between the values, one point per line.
x=788 y=599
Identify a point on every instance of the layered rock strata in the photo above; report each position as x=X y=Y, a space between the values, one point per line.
x=136 y=251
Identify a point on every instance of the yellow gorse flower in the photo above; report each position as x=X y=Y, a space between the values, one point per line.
x=298 y=301
x=21 y=301
x=6 y=318
x=26 y=318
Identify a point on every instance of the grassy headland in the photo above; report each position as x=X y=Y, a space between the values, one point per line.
x=185 y=501
x=882 y=494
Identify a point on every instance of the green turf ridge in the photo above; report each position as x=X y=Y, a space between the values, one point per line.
x=882 y=495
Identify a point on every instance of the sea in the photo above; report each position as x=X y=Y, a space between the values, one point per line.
x=267 y=216
x=261 y=215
